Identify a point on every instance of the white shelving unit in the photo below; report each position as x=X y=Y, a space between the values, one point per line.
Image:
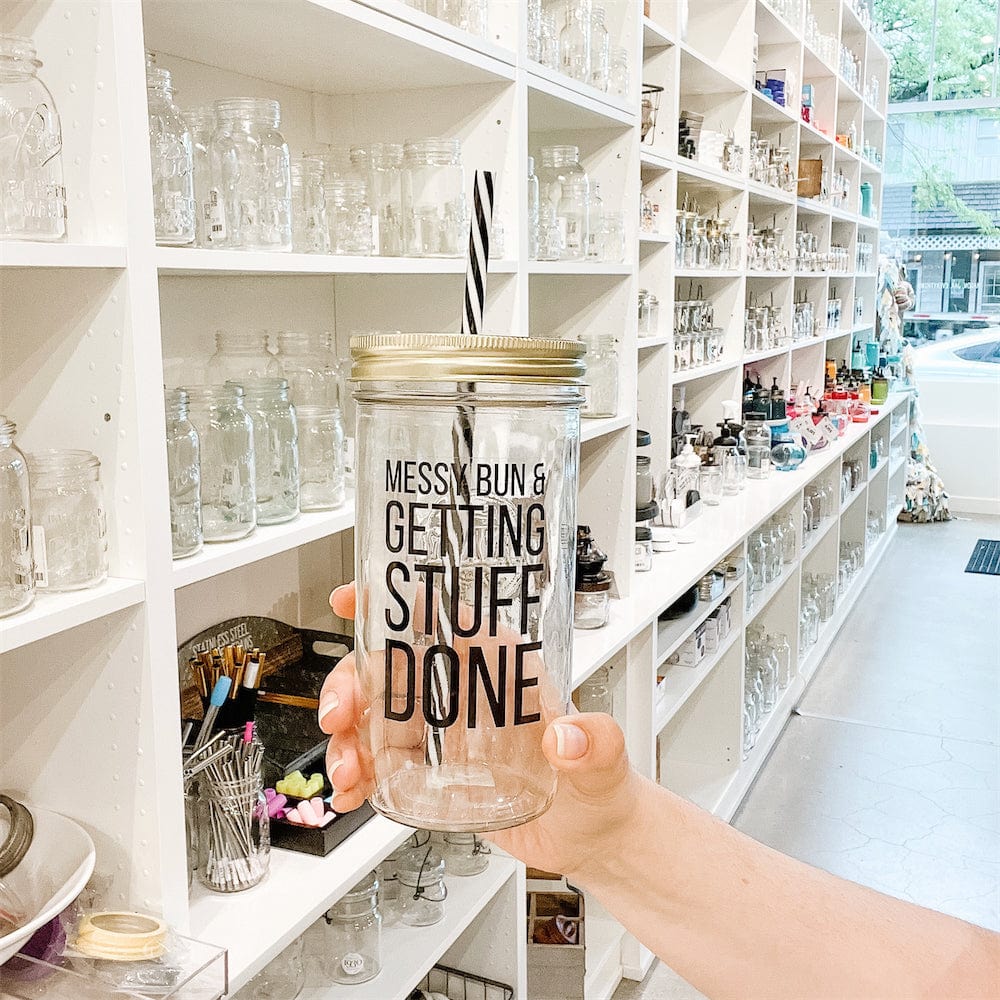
x=92 y=324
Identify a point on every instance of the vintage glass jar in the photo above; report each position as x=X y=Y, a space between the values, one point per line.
x=433 y=198
x=574 y=41
x=422 y=891
x=594 y=694
x=228 y=474
x=239 y=355
x=68 y=520
x=251 y=177
x=321 y=458
x=275 y=448
x=310 y=227
x=32 y=196
x=600 y=49
x=563 y=185
x=306 y=360
x=350 y=217
x=172 y=162
x=183 y=476
x=17 y=572
x=465 y=854
x=600 y=394
x=467 y=453
x=234 y=834
x=283 y=978
x=385 y=166
x=353 y=939
x=618 y=75
x=201 y=123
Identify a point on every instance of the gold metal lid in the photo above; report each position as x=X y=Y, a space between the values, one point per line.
x=452 y=357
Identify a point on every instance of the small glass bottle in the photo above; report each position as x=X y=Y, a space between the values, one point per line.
x=533 y=221
x=350 y=217
x=251 y=199
x=33 y=206
x=618 y=77
x=172 y=162
x=592 y=601
x=465 y=854
x=310 y=229
x=238 y=355
x=574 y=41
x=433 y=198
x=183 y=476
x=321 y=458
x=68 y=521
x=422 y=891
x=595 y=224
x=17 y=580
x=353 y=945
x=228 y=475
x=201 y=122
x=601 y=389
x=600 y=50
x=385 y=162
x=276 y=448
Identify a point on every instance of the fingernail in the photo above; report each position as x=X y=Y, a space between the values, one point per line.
x=326 y=706
x=330 y=773
x=571 y=741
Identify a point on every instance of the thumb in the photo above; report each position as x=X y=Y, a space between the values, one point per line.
x=589 y=750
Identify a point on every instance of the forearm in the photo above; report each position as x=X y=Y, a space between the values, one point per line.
x=737 y=919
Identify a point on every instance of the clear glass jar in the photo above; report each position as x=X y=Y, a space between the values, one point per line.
x=533 y=34
x=574 y=41
x=549 y=41
x=433 y=198
x=643 y=552
x=600 y=394
x=17 y=571
x=592 y=602
x=201 y=124
x=594 y=694
x=353 y=939
x=32 y=196
x=172 y=162
x=478 y=764
x=306 y=360
x=600 y=49
x=422 y=891
x=643 y=480
x=275 y=448
x=228 y=473
x=183 y=476
x=283 y=978
x=350 y=217
x=238 y=355
x=251 y=177
x=310 y=228
x=563 y=185
x=618 y=76
x=321 y=458
x=68 y=520
x=595 y=224
x=385 y=164
x=234 y=834
x=532 y=210
x=465 y=854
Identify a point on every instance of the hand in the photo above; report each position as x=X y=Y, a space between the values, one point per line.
x=597 y=794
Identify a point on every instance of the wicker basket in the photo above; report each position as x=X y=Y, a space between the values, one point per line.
x=810 y=178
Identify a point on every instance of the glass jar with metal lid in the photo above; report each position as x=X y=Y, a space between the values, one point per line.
x=17 y=580
x=433 y=198
x=172 y=162
x=422 y=891
x=565 y=188
x=465 y=854
x=353 y=940
x=183 y=476
x=68 y=520
x=34 y=199
x=467 y=469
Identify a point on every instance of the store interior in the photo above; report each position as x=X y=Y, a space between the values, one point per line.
x=697 y=356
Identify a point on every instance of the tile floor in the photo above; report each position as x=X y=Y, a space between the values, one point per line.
x=889 y=772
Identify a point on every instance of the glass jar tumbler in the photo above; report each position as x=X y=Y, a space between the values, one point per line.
x=183 y=477
x=465 y=525
x=17 y=580
x=234 y=834
x=353 y=939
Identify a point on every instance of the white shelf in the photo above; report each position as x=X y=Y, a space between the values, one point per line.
x=894 y=467
x=655 y=36
x=817 y=536
x=646 y=342
x=770 y=275
x=592 y=648
x=702 y=75
x=54 y=613
x=853 y=499
x=655 y=162
x=754 y=357
x=766 y=110
x=17 y=254
x=872 y=473
x=670 y=635
x=705 y=371
x=599 y=426
x=656 y=238
x=765 y=192
x=557 y=102
x=707 y=273
x=798 y=345
x=266 y=541
x=577 y=267
x=764 y=597
x=692 y=170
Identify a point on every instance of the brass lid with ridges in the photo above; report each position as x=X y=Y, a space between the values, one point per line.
x=452 y=357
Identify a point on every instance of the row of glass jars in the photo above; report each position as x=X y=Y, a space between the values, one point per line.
x=767 y=672
x=697 y=341
x=874 y=527
x=33 y=202
x=766 y=250
x=863 y=256
x=852 y=558
x=819 y=503
x=852 y=477
x=704 y=242
x=764 y=327
x=850 y=67
x=789 y=11
x=649 y=313
x=467 y=15
x=769 y=550
x=823 y=43
x=771 y=164
x=55 y=535
x=819 y=601
x=572 y=38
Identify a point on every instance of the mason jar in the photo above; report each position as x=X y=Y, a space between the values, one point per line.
x=238 y=355
x=306 y=360
x=32 y=196
x=251 y=177
x=321 y=458
x=353 y=939
x=68 y=521
x=228 y=474
x=310 y=227
x=17 y=579
x=275 y=448
x=201 y=123
x=600 y=394
x=422 y=892
x=234 y=833
x=183 y=476
x=465 y=854
x=385 y=165
x=465 y=529
x=532 y=211
x=433 y=198
x=564 y=186
x=349 y=216
x=172 y=162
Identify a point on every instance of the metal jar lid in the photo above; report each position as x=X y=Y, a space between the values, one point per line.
x=19 y=836
x=449 y=357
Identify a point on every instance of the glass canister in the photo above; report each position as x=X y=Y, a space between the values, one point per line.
x=465 y=854
x=306 y=360
x=234 y=834
x=310 y=228
x=251 y=177
x=353 y=940
x=275 y=448
x=467 y=498
x=321 y=458
x=563 y=185
x=385 y=165
x=422 y=891
x=201 y=123
x=574 y=41
x=600 y=49
x=239 y=355
x=172 y=162
x=68 y=522
x=228 y=474
x=350 y=217
x=183 y=476
x=600 y=393
x=618 y=76
x=17 y=579
x=32 y=196
x=433 y=198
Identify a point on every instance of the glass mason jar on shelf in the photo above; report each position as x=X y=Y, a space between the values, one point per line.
x=600 y=49
x=201 y=124
x=600 y=393
x=251 y=197
x=17 y=571
x=533 y=221
x=353 y=938
x=618 y=75
x=465 y=854
x=385 y=166
x=595 y=224
x=172 y=162
x=234 y=834
x=228 y=474
x=238 y=355
x=310 y=228
x=275 y=448
x=502 y=576
x=33 y=198
x=321 y=458
x=283 y=978
x=306 y=360
x=350 y=217
x=433 y=198
x=563 y=185
x=68 y=520
x=594 y=694
x=549 y=54
x=422 y=890
x=574 y=41
x=183 y=476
